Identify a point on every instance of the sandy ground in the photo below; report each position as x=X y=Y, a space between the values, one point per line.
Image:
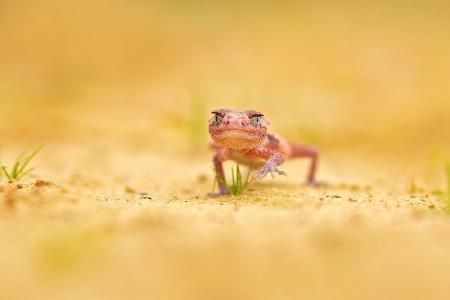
x=124 y=224
x=119 y=92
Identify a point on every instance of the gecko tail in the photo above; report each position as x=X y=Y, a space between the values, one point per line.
x=303 y=151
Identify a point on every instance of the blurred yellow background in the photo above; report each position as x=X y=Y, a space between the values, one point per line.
x=333 y=73
x=120 y=92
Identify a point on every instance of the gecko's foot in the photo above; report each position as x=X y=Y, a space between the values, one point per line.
x=220 y=193
x=269 y=167
x=316 y=183
x=216 y=195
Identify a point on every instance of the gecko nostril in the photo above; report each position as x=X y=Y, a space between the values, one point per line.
x=242 y=123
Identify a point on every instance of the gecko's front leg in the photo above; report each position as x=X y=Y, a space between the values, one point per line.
x=221 y=156
x=274 y=159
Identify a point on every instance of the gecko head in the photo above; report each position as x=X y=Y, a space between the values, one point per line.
x=236 y=129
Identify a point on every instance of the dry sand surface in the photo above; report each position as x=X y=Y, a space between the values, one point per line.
x=93 y=233
x=119 y=92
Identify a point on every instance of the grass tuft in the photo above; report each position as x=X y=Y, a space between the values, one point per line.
x=447 y=167
x=413 y=186
x=19 y=169
x=238 y=182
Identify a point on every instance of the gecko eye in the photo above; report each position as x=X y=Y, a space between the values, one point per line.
x=256 y=120
x=217 y=119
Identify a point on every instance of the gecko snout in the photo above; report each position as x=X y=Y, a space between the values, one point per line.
x=234 y=122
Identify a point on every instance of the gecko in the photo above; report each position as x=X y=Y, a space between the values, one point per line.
x=243 y=136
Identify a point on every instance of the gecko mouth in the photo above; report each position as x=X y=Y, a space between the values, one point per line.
x=238 y=133
x=238 y=138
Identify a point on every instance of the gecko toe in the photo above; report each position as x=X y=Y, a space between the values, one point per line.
x=268 y=168
x=272 y=171
x=317 y=183
x=260 y=174
x=281 y=172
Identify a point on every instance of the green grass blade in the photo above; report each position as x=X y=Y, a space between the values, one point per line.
x=233 y=181
x=15 y=170
x=1 y=173
x=25 y=173
x=28 y=160
x=238 y=178
x=238 y=182
x=5 y=171
x=219 y=179
x=216 y=179
x=236 y=186
x=223 y=181
x=247 y=178
x=447 y=167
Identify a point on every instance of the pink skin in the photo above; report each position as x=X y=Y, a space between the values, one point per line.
x=243 y=137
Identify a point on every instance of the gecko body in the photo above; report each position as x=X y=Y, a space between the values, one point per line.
x=243 y=136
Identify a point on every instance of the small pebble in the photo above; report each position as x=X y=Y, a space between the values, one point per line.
x=130 y=190
x=202 y=178
x=145 y=196
x=41 y=183
x=354 y=188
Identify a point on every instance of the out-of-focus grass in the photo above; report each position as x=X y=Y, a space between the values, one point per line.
x=447 y=169
x=304 y=63
x=67 y=252
x=310 y=135
x=1 y=173
x=19 y=169
x=191 y=124
x=413 y=186
x=196 y=125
